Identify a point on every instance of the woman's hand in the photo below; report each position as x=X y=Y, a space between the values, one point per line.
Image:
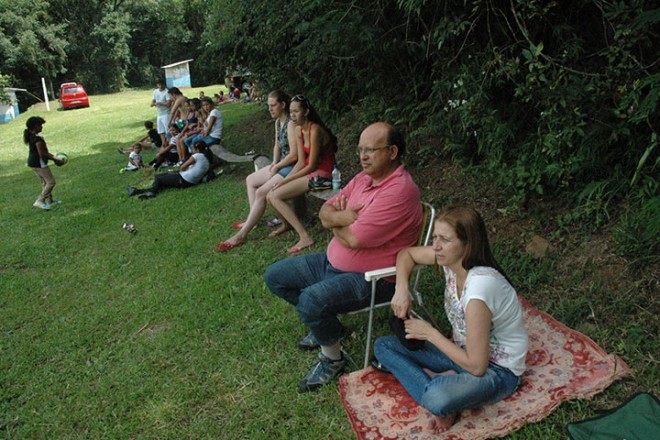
x=419 y=329
x=401 y=303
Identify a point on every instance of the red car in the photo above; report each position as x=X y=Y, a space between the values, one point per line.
x=73 y=95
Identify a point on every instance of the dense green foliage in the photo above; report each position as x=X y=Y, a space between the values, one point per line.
x=549 y=95
x=106 y=45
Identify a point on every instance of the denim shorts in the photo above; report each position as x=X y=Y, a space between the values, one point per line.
x=284 y=171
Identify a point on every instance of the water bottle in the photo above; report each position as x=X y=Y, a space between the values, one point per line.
x=336 y=178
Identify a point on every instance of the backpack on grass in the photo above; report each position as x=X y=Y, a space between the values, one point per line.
x=638 y=418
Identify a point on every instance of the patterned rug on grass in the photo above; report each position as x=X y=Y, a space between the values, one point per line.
x=562 y=364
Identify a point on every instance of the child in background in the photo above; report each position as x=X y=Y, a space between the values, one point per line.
x=135 y=159
x=167 y=155
x=151 y=140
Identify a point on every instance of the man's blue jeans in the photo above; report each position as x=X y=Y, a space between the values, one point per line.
x=442 y=395
x=320 y=292
x=208 y=140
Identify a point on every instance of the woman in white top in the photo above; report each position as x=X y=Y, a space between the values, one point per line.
x=483 y=361
x=190 y=174
x=212 y=130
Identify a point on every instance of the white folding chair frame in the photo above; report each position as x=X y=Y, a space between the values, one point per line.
x=374 y=276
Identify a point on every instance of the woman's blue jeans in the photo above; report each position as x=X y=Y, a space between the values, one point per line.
x=320 y=292
x=208 y=140
x=442 y=395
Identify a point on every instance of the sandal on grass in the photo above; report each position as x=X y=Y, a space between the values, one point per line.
x=238 y=225
x=296 y=249
x=225 y=245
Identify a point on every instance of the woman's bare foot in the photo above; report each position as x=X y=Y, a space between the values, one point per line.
x=438 y=424
x=302 y=244
x=235 y=240
x=282 y=229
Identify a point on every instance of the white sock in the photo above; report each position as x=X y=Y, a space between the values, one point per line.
x=332 y=351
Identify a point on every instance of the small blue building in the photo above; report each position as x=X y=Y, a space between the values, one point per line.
x=178 y=74
x=9 y=112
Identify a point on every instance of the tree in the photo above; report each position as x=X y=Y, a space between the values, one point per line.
x=111 y=55
x=31 y=44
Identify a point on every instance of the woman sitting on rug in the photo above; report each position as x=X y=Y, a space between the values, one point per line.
x=316 y=147
x=261 y=182
x=484 y=361
x=190 y=174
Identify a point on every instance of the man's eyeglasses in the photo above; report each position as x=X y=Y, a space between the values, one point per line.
x=369 y=150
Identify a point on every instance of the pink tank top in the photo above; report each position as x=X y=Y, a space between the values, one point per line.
x=326 y=156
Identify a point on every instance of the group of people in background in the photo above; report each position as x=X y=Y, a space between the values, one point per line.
x=375 y=222
x=186 y=129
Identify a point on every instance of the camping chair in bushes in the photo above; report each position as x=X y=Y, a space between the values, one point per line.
x=374 y=276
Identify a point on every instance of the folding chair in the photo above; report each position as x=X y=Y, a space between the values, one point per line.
x=374 y=275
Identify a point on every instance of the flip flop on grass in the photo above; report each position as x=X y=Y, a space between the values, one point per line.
x=225 y=245
x=238 y=225
x=296 y=249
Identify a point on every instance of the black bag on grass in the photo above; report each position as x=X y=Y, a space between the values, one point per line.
x=638 y=418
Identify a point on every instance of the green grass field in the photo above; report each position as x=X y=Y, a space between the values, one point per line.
x=107 y=334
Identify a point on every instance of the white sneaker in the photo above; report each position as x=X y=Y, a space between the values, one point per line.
x=41 y=205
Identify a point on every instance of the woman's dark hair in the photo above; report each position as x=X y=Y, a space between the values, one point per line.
x=196 y=103
x=204 y=149
x=315 y=118
x=174 y=91
x=207 y=99
x=471 y=230
x=30 y=125
x=280 y=96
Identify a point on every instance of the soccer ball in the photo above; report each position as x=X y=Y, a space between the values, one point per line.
x=63 y=157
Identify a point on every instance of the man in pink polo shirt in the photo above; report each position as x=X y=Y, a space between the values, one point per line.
x=377 y=214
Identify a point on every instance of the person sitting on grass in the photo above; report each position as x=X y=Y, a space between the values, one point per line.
x=135 y=159
x=190 y=174
x=483 y=361
x=222 y=99
x=212 y=129
x=376 y=215
x=151 y=140
x=190 y=128
x=167 y=154
x=316 y=147
x=261 y=182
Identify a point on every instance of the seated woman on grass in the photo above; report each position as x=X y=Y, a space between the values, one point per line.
x=484 y=360
x=191 y=128
x=212 y=128
x=261 y=182
x=316 y=147
x=190 y=174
